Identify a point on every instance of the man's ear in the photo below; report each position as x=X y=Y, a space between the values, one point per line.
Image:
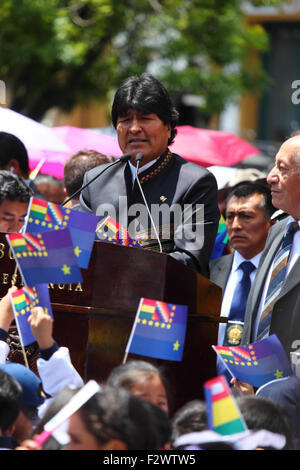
x=116 y=444
x=10 y=430
x=14 y=166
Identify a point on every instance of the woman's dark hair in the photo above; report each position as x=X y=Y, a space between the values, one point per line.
x=146 y=95
x=117 y=414
x=189 y=418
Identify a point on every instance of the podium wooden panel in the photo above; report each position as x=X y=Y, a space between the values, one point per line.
x=94 y=318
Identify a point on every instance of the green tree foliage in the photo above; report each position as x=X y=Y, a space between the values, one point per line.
x=63 y=52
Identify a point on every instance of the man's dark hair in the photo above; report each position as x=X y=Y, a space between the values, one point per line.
x=13 y=188
x=78 y=164
x=248 y=188
x=12 y=148
x=10 y=400
x=117 y=414
x=190 y=418
x=262 y=413
x=146 y=95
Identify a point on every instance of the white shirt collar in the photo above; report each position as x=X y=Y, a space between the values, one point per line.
x=145 y=167
x=238 y=259
x=291 y=219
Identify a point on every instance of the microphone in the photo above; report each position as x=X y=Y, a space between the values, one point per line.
x=122 y=159
x=138 y=159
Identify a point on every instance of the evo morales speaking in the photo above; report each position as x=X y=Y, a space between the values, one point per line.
x=173 y=205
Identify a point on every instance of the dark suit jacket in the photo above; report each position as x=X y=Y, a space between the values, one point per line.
x=220 y=269
x=286 y=312
x=178 y=182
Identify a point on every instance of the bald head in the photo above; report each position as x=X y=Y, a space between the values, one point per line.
x=284 y=178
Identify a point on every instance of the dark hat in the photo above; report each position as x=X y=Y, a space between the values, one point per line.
x=31 y=384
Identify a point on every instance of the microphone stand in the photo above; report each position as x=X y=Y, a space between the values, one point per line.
x=138 y=159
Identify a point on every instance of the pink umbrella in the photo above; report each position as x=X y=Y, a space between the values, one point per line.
x=77 y=139
x=209 y=147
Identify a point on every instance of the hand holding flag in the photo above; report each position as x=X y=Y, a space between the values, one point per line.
x=25 y=299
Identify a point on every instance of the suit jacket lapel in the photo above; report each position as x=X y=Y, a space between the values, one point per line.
x=222 y=270
x=258 y=285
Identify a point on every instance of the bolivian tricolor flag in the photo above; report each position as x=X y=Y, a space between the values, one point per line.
x=223 y=414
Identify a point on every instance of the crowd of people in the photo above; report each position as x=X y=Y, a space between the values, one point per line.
x=259 y=281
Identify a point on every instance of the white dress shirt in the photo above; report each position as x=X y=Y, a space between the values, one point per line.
x=234 y=278
x=133 y=168
x=294 y=254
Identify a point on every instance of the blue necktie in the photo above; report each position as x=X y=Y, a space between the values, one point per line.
x=238 y=306
x=276 y=281
x=236 y=313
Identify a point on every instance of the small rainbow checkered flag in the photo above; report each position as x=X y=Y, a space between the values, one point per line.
x=159 y=330
x=256 y=363
x=223 y=414
x=111 y=231
x=45 y=257
x=45 y=216
x=23 y=300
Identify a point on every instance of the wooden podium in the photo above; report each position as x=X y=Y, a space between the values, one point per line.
x=94 y=318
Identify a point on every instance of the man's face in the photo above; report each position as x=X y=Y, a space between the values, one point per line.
x=144 y=133
x=246 y=224
x=12 y=215
x=284 y=179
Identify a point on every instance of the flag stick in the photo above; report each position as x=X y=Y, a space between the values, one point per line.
x=14 y=276
x=125 y=358
x=22 y=345
x=13 y=283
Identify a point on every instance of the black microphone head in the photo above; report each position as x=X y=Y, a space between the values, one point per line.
x=125 y=157
x=139 y=157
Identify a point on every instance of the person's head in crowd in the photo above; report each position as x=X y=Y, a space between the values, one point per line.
x=77 y=165
x=50 y=187
x=145 y=117
x=114 y=419
x=10 y=402
x=286 y=393
x=248 y=440
x=57 y=403
x=261 y=413
x=13 y=155
x=189 y=418
x=14 y=199
x=143 y=380
x=284 y=178
x=31 y=398
x=248 y=217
